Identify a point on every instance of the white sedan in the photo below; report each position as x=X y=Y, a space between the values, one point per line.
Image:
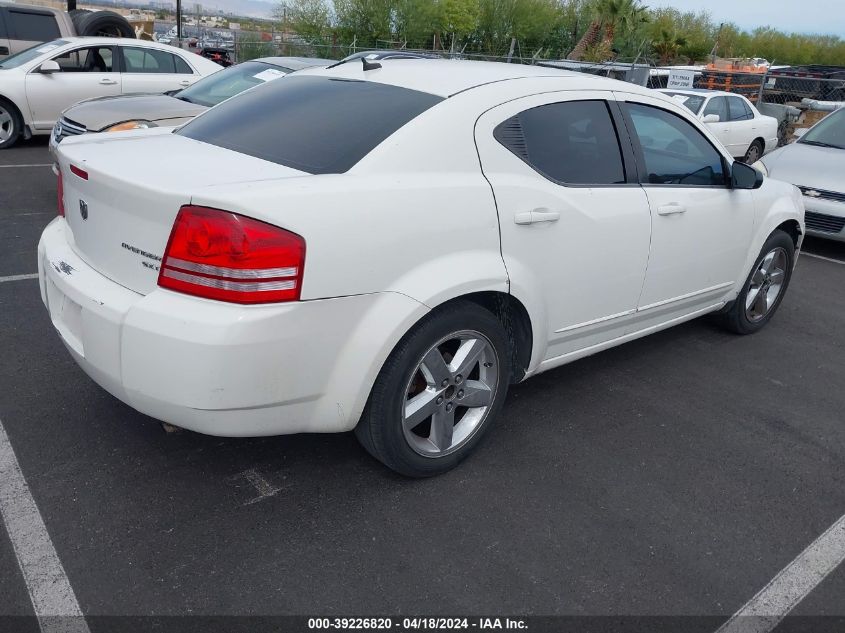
x=734 y=120
x=387 y=246
x=40 y=82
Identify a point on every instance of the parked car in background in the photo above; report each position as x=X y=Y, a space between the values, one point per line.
x=305 y=257
x=733 y=119
x=36 y=85
x=23 y=26
x=129 y=112
x=815 y=163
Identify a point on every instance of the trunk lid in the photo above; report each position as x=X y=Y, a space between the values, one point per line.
x=120 y=217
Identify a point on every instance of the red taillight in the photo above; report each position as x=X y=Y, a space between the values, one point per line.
x=60 y=187
x=225 y=256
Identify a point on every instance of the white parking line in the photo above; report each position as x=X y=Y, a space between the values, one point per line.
x=34 y=165
x=827 y=259
x=49 y=590
x=764 y=611
x=19 y=277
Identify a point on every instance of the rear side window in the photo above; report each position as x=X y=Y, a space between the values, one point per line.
x=36 y=27
x=674 y=151
x=319 y=125
x=147 y=60
x=739 y=110
x=182 y=66
x=573 y=142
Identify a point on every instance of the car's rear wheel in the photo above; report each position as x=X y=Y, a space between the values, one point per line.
x=11 y=126
x=438 y=392
x=765 y=287
x=754 y=153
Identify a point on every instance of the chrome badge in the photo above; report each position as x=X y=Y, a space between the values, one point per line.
x=83 y=209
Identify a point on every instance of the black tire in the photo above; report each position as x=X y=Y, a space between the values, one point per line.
x=102 y=23
x=380 y=429
x=734 y=316
x=754 y=152
x=11 y=124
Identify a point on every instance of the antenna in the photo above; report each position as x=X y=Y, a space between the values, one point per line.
x=369 y=65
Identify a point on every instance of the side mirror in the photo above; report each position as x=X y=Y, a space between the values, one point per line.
x=801 y=131
x=49 y=67
x=745 y=177
x=712 y=118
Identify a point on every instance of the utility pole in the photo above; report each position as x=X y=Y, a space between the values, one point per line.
x=179 y=21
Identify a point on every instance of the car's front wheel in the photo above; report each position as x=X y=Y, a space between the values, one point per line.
x=765 y=287
x=10 y=124
x=438 y=391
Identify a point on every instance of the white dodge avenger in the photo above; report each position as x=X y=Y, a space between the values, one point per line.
x=386 y=247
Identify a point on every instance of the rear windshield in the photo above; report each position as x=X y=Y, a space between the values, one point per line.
x=319 y=125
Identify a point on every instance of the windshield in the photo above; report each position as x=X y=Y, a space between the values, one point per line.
x=693 y=102
x=829 y=132
x=29 y=54
x=227 y=83
x=319 y=125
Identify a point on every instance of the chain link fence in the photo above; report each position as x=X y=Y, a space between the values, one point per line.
x=796 y=97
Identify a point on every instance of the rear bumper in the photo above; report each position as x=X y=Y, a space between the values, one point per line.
x=219 y=368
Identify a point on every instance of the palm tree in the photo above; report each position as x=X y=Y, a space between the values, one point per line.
x=608 y=16
x=667 y=46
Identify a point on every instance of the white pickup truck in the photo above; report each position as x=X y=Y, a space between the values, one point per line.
x=23 y=26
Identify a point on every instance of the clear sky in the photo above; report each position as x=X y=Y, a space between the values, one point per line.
x=809 y=16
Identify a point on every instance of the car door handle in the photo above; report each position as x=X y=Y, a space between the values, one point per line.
x=672 y=208
x=4 y=50
x=184 y=82
x=536 y=216
x=107 y=82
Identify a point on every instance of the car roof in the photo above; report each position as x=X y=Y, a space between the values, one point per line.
x=295 y=63
x=447 y=77
x=127 y=41
x=704 y=92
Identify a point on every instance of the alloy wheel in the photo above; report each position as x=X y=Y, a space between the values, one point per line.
x=7 y=125
x=753 y=154
x=450 y=393
x=766 y=285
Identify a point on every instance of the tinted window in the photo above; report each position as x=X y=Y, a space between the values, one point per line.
x=717 y=105
x=314 y=124
x=572 y=142
x=182 y=66
x=2 y=26
x=739 y=110
x=38 y=27
x=147 y=60
x=96 y=59
x=227 y=83
x=674 y=151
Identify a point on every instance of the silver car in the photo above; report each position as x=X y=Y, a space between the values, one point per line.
x=130 y=112
x=816 y=165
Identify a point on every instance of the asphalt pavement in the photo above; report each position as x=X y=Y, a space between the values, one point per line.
x=675 y=475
